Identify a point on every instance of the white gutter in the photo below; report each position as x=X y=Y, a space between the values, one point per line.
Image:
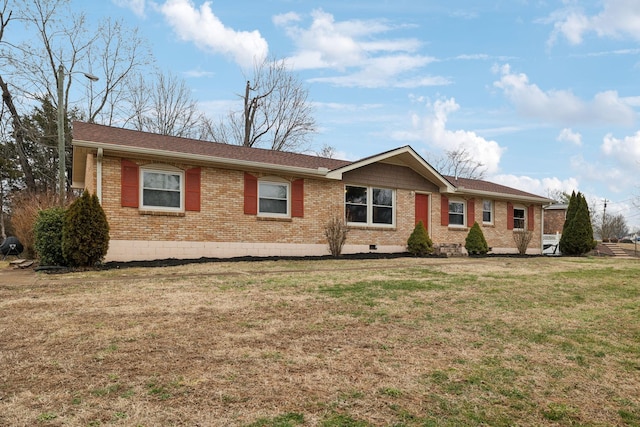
x=174 y=155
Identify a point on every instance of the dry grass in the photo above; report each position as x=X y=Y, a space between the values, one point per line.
x=404 y=342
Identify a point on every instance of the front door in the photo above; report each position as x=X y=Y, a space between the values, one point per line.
x=422 y=209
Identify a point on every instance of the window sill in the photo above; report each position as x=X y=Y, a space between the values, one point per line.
x=459 y=228
x=488 y=224
x=273 y=218
x=161 y=213
x=372 y=227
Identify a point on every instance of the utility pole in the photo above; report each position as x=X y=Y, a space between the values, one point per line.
x=62 y=110
x=61 y=144
x=604 y=222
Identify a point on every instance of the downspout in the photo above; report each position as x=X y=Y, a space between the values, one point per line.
x=99 y=175
x=541 y=229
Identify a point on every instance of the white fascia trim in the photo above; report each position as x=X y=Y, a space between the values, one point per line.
x=239 y=164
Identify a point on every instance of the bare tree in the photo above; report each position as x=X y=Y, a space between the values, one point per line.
x=327 y=151
x=458 y=163
x=558 y=196
x=165 y=106
x=58 y=37
x=610 y=227
x=275 y=111
x=116 y=55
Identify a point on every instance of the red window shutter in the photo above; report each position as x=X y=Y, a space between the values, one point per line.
x=530 y=216
x=129 y=183
x=444 y=210
x=509 y=216
x=297 y=198
x=422 y=210
x=471 y=212
x=192 y=190
x=250 y=194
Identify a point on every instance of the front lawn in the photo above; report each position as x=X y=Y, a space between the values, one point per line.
x=401 y=342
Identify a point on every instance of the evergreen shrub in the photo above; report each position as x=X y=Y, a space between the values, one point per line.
x=419 y=243
x=48 y=236
x=577 y=232
x=85 y=235
x=475 y=243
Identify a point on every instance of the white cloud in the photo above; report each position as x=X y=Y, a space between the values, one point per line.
x=136 y=6
x=617 y=19
x=202 y=27
x=432 y=129
x=197 y=73
x=541 y=187
x=220 y=108
x=562 y=106
x=567 y=135
x=614 y=179
x=626 y=151
x=355 y=48
x=285 y=19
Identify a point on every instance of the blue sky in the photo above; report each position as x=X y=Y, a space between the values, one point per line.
x=544 y=93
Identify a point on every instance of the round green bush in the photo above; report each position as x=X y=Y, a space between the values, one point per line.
x=48 y=236
x=419 y=243
x=475 y=243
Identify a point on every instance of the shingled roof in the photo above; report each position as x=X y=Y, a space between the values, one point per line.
x=92 y=136
x=478 y=185
x=89 y=132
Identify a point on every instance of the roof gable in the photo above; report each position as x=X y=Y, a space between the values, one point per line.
x=405 y=156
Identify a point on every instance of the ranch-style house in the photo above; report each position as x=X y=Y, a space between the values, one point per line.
x=170 y=197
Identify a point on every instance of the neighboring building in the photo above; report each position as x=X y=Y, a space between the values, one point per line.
x=169 y=197
x=554 y=217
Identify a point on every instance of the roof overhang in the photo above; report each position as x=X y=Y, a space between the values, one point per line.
x=82 y=148
x=503 y=196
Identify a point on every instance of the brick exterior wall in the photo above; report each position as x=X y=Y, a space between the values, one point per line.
x=222 y=229
x=497 y=235
x=554 y=220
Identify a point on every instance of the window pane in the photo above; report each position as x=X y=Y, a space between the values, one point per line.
x=161 y=198
x=456 y=207
x=382 y=197
x=273 y=206
x=356 y=213
x=355 y=195
x=273 y=191
x=161 y=181
x=456 y=219
x=273 y=198
x=382 y=215
x=486 y=216
x=518 y=218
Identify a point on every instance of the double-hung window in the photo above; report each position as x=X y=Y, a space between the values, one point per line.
x=162 y=190
x=456 y=213
x=273 y=199
x=519 y=219
x=487 y=212
x=369 y=206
